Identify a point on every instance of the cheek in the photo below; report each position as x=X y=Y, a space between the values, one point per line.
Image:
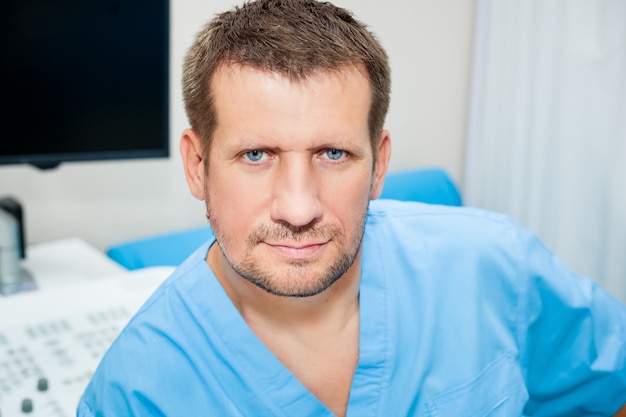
x=349 y=189
x=348 y=197
x=233 y=208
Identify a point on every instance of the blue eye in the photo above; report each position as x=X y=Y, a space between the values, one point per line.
x=334 y=154
x=255 y=156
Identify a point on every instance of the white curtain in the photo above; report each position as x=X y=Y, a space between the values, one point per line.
x=547 y=127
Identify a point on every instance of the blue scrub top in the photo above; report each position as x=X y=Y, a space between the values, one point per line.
x=463 y=313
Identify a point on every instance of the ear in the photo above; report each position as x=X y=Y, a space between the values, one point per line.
x=381 y=164
x=194 y=163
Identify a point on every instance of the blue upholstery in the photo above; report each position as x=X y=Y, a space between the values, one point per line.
x=165 y=249
x=428 y=185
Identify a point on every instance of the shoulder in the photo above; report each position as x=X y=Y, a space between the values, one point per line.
x=446 y=227
x=395 y=209
x=155 y=348
x=458 y=257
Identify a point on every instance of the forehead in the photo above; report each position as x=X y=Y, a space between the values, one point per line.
x=271 y=104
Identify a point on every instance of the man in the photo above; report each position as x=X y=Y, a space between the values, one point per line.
x=312 y=301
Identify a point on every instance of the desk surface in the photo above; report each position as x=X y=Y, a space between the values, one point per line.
x=68 y=261
x=131 y=288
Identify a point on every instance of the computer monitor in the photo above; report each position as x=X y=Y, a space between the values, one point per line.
x=84 y=80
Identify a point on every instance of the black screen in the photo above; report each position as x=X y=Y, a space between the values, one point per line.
x=84 y=80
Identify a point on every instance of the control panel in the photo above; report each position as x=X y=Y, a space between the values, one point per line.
x=52 y=341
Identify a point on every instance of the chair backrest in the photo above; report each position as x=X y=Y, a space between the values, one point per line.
x=428 y=185
x=168 y=249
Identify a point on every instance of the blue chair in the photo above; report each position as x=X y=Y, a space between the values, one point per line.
x=168 y=249
x=428 y=185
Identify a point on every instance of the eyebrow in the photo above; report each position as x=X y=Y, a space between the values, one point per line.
x=241 y=143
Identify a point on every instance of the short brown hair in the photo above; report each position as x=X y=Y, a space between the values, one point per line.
x=294 y=38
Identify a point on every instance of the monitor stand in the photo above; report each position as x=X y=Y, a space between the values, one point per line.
x=13 y=278
x=22 y=282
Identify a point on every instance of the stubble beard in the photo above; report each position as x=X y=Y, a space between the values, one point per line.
x=297 y=279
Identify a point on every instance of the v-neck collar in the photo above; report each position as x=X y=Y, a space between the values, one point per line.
x=275 y=384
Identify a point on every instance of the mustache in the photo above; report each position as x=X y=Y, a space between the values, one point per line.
x=287 y=232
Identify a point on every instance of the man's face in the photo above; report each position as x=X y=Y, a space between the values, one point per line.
x=290 y=175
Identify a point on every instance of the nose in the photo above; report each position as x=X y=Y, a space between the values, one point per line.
x=295 y=200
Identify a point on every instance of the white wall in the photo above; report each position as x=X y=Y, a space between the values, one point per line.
x=429 y=43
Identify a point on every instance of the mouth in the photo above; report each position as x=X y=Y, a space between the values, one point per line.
x=296 y=250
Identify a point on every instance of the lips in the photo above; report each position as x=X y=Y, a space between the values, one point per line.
x=299 y=250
